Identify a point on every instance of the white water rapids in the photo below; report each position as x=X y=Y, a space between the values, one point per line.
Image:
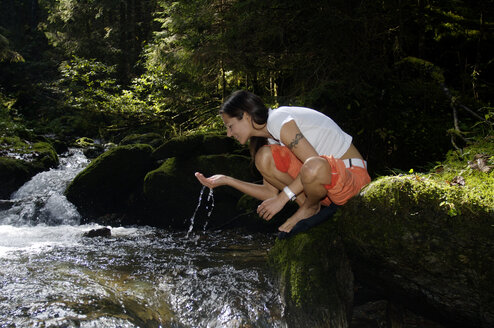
x=53 y=276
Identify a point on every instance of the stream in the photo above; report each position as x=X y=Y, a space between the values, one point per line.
x=51 y=275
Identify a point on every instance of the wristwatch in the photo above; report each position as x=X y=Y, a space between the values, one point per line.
x=289 y=193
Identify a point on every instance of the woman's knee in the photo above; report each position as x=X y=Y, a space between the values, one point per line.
x=315 y=169
x=264 y=160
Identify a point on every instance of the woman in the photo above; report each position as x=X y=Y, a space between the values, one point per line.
x=302 y=154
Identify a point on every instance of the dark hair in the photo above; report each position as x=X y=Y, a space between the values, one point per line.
x=242 y=101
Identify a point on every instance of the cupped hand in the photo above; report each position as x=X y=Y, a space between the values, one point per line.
x=212 y=181
x=270 y=207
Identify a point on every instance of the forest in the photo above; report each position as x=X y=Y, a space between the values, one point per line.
x=409 y=80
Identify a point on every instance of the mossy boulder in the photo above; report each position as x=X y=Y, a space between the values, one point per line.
x=153 y=139
x=90 y=148
x=20 y=160
x=172 y=191
x=44 y=156
x=40 y=154
x=13 y=174
x=112 y=183
x=315 y=278
x=198 y=144
x=427 y=240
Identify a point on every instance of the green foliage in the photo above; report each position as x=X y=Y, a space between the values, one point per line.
x=6 y=53
x=104 y=30
x=471 y=171
x=417 y=111
x=355 y=65
x=165 y=66
x=7 y=126
x=90 y=86
x=84 y=79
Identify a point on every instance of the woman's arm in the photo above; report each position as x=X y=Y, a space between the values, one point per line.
x=292 y=137
x=259 y=191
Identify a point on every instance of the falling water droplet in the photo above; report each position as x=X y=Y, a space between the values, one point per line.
x=209 y=208
x=191 y=226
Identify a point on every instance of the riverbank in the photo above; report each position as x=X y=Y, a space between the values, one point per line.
x=407 y=237
x=421 y=242
x=140 y=276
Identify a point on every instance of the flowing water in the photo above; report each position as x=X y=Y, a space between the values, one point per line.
x=53 y=276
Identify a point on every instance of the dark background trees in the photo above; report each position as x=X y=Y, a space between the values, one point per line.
x=400 y=76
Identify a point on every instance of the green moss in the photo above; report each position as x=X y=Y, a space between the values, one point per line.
x=173 y=189
x=432 y=229
x=21 y=159
x=472 y=187
x=84 y=142
x=454 y=187
x=307 y=264
x=13 y=174
x=117 y=160
x=40 y=155
x=15 y=144
x=152 y=139
x=45 y=154
x=197 y=144
x=110 y=182
x=315 y=278
x=179 y=170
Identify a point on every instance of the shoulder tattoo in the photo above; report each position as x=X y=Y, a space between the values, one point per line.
x=295 y=140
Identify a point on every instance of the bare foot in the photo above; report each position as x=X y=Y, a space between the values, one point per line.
x=302 y=213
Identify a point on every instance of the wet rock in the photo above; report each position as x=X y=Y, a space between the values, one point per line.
x=153 y=139
x=101 y=232
x=199 y=144
x=91 y=149
x=419 y=242
x=125 y=183
x=382 y=313
x=315 y=278
x=60 y=146
x=370 y=314
x=21 y=160
x=6 y=204
x=249 y=219
x=172 y=191
x=112 y=183
x=13 y=174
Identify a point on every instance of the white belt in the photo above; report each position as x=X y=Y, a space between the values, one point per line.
x=349 y=162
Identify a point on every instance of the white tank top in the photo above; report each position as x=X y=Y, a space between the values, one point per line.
x=322 y=132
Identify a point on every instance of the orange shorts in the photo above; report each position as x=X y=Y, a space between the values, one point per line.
x=346 y=182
